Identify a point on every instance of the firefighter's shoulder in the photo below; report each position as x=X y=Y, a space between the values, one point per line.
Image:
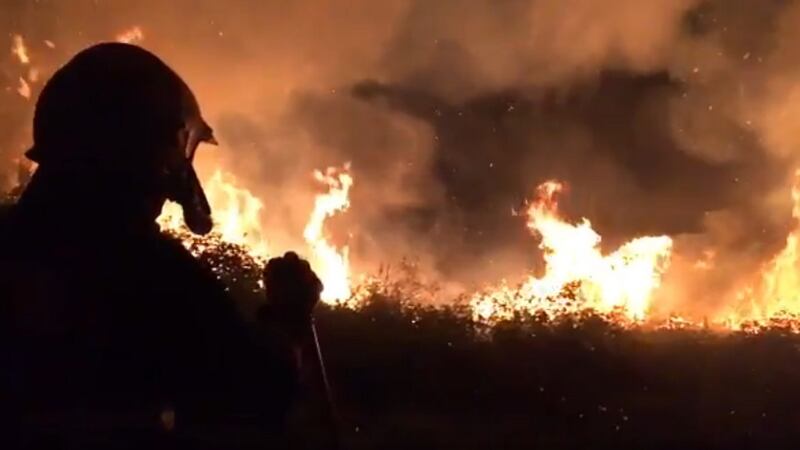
x=6 y=223
x=5 y=212
x=179 y=271
x=170 y=252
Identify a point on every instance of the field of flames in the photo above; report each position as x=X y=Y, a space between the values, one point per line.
x=578 y=278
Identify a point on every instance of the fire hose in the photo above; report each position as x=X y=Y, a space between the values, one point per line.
x=331 y=413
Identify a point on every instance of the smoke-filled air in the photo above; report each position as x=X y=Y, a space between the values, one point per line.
x=637 y=159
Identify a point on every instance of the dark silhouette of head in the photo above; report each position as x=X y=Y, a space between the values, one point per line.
x=289 y=276
x=119 y=115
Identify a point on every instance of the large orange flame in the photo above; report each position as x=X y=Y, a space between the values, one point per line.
x=236 y=217
x=331 y=263
x=577 y=275
x=775 y=297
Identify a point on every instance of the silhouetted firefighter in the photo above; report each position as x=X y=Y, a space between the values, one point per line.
x=113 y=336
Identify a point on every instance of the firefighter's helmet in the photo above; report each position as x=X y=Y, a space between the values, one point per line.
x=119 y=107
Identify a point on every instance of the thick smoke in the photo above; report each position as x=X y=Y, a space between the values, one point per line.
x=664 y=117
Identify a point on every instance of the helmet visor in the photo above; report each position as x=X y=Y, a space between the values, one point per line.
x=185 y=188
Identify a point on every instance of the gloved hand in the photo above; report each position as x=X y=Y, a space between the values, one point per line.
x=293 y=289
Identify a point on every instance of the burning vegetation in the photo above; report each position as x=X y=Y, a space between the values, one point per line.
x=578 y=279
x=577 y=276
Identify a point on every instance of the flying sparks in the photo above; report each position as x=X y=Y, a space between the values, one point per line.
x=19 y=49
x=33 y=75
x=131 y=35
x=24 y=89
